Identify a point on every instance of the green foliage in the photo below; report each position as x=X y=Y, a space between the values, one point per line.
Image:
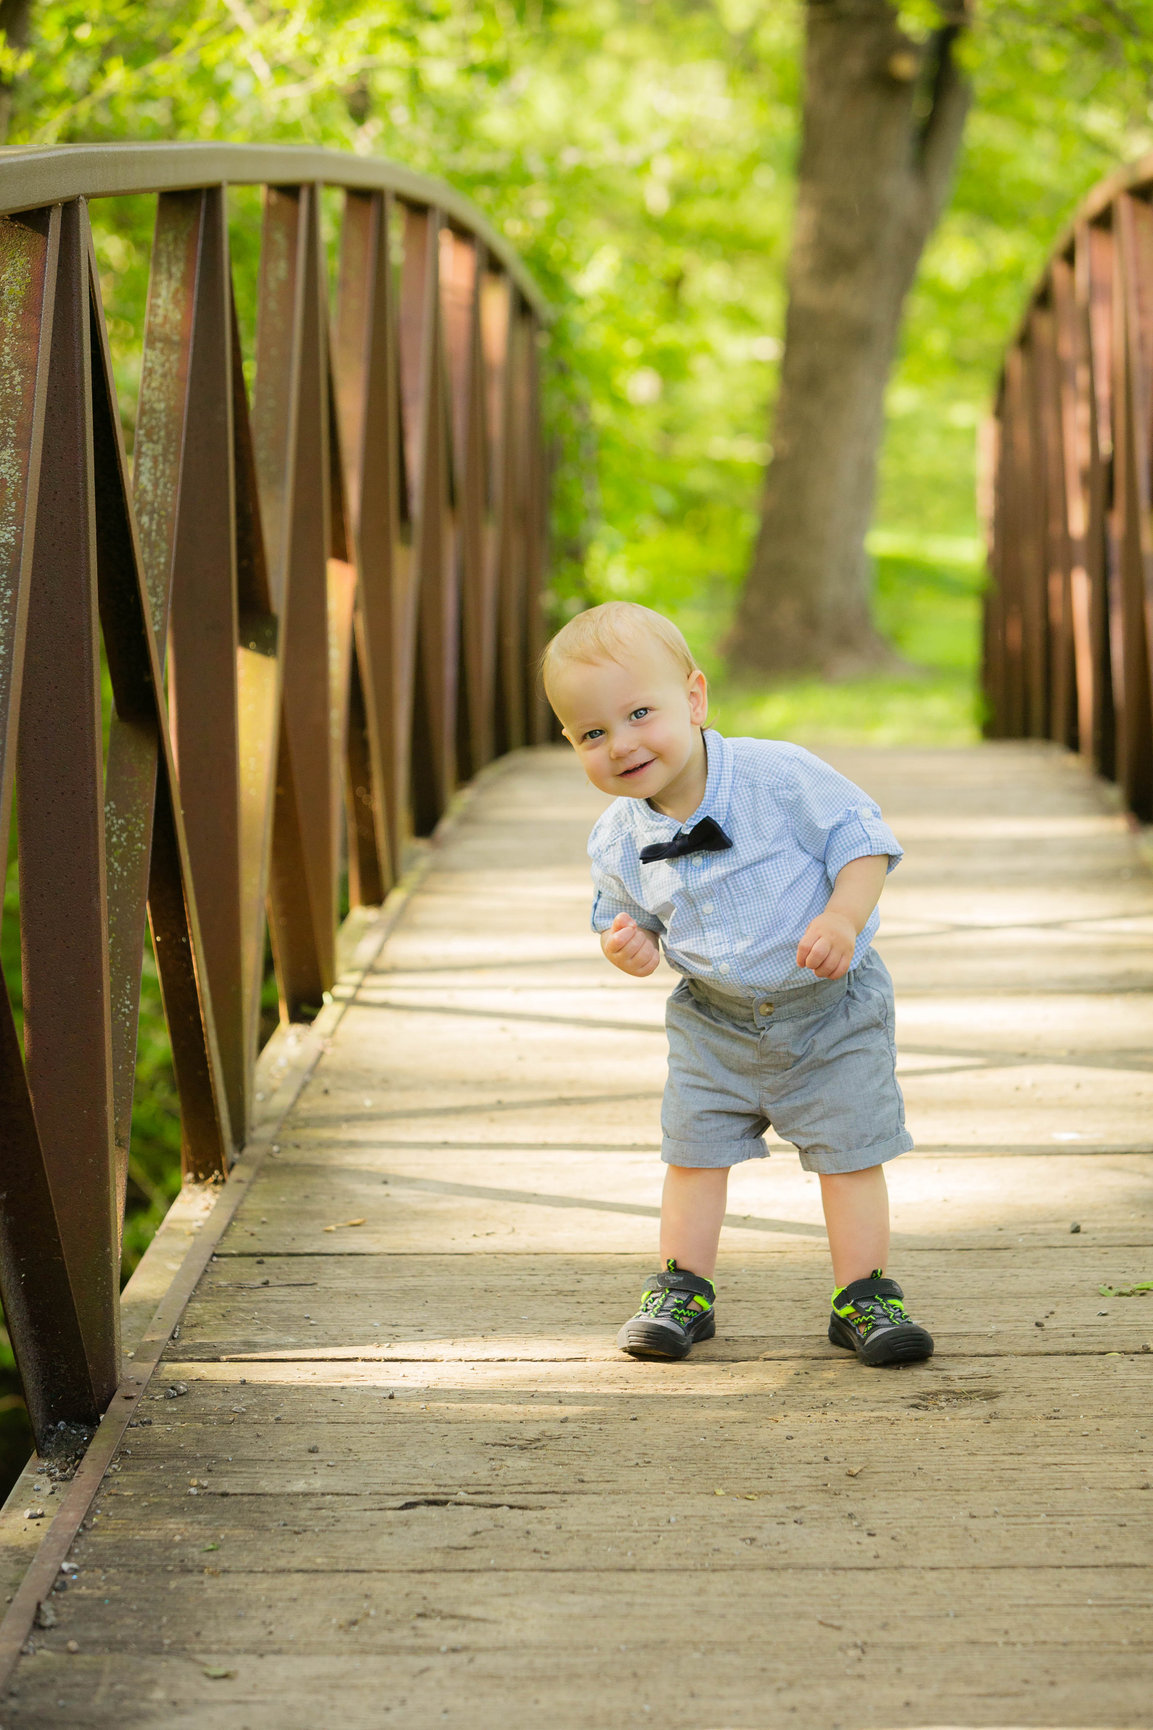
x=154 y=1160
x=639 y=153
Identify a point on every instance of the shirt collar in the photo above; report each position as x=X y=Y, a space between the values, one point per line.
x=715 y=804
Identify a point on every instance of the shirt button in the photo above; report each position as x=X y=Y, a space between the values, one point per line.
x=723 y=968
x=708 y=907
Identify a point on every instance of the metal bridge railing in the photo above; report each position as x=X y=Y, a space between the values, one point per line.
x=316 y=610
x=1069 y=483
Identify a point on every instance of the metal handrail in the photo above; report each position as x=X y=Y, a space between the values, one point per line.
x=1068 y=498
x=30 y=179
x=317 y=610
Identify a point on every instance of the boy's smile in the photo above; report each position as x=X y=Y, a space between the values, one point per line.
x=637 y=728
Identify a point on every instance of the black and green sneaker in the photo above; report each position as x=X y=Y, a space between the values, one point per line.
x=676 y=1310
x=869 y=1317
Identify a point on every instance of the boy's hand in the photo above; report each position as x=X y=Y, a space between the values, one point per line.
x=828 y=944
x=631 y=947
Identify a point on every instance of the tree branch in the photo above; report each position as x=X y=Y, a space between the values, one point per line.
x=951 y=94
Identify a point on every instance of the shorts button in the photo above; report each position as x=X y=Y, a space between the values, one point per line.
x=765 y=1008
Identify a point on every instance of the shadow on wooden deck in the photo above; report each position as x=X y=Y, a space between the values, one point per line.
x=394 y=1471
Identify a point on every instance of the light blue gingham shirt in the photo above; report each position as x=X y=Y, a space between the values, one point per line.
x=736 y=917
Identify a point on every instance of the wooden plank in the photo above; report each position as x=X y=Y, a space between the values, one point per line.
x=410 y=1523
x=404 y=1306
x=429 y=1645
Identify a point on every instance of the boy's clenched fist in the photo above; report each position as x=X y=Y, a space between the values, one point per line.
x=631 y=947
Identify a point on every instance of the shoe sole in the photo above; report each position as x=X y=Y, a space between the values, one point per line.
x=650 y=1340
x=907 y=1344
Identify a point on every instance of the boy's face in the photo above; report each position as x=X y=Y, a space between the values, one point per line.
x=636 y=727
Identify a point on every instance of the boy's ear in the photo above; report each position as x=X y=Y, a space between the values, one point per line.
x=698 y=698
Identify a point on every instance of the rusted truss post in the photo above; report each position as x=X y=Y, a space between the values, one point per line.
x=1069 y=499
x=317 y=612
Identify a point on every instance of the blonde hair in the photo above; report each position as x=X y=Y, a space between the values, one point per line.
x=609 y=633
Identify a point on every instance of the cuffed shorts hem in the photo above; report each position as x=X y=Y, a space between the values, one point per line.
x=713 y=1155
x=828 y=1162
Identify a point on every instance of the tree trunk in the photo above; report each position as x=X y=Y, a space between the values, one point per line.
x=15 y=19
x=883 y=118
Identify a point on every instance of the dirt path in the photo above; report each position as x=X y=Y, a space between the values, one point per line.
x=411 y=1481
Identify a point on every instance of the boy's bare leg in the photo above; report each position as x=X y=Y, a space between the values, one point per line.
x=692 y=1211
x=856 y=1205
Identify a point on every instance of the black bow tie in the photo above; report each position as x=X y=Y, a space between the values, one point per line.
x=704 y=837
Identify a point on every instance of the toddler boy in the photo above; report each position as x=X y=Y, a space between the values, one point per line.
x=760 y=868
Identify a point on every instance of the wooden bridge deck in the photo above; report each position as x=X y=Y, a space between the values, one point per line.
x=410 y=1480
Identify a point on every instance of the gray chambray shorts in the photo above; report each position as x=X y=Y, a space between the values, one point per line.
x=815 y=1063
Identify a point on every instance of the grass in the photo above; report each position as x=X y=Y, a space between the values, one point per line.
x=927 y=603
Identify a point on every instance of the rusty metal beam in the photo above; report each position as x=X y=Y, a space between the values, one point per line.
x=429 y=466
x=29 y=259
x=130 y=771
x=60 y=817
x=512 y=729
x=203 y=634
x=991 y=505
x=61 y=831
x=496 y=313
x=342 y=582
x=1133 y=359
x=462 y=285
x=1072 y=444
x=291 y=432
x=41 y=1308
x=367 y=394
x=356 y=382
x=134 y=663
x=1069 y=612
x=1094 y=290
x=1055 y=529
x=310 y=611
x=257 y=698
x=536 y=483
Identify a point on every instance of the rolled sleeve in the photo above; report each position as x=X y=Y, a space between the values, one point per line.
x=863 y=834
x=835 y=820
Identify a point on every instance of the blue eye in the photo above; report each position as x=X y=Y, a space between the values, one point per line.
x=594 y=733
x=638 y=714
